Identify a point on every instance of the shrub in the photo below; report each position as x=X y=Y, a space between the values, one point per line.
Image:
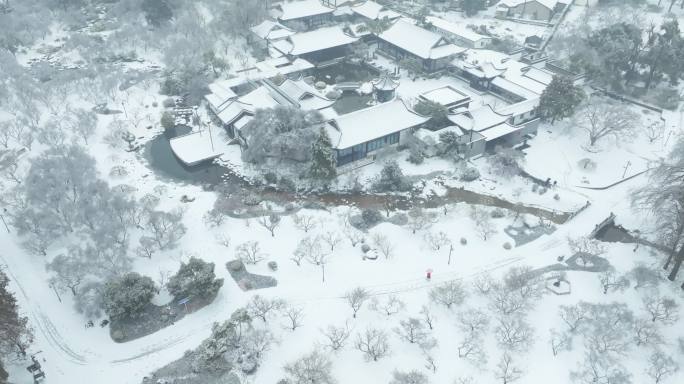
x=464 y=241
x=167 y=121
x=556 y=197
x=507 y=245
x=498 y=213
x=371 y=217
x=365 y=248
x=333 y=94
x=391 y=178
x=168 y=102
x=272 y=265
x=416 y=157
x=270 y=178
x=470 y=174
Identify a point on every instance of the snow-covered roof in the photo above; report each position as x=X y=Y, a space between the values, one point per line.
x=220 y=94
x=194 y=147
x=479 y=119
x=303 y=95
x=539 y=75
x=446 y=95
x=281 y=65
x=486 y=70
x=515 y=88
x=374 y=11
x=371 y=123
x=249 y=103
x=271 y=30
x=550 y=4
x=520 y=108
x=419 y=41
x=498 y=131
x=312 y=41
x=303 y=8
x=385 y=83
x=456 y=29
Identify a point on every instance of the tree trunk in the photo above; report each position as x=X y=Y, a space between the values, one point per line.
x=677 y=265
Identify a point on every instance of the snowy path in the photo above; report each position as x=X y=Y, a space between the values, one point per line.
x=69 y=353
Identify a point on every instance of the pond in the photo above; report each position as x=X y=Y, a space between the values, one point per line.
x=164 y=162
x=345 y=71
x=350 y=102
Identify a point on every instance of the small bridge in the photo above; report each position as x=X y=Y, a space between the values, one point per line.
x=348 y=86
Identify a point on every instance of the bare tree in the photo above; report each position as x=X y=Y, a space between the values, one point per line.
x=410 y=377
x=166 y=228
x=437 y=240
x=332 y=238
x=646 y=333
x=597 y=369
x=307 y=248
x=471 y=348
x=661 y=308
x=304 y=222
x=602 y=119
x=355 y=298
x=263 y=308
x=391 y=306
x=655 y=131
x=384 y=244
x=575 y=315
x=312 y=368
x=270 y=222
x=374 y=343
x=70 y=271
x=320 y=259
x=427 y=316
x=584 y=246
x=337 y=336
x=661 y=366
x=560 y=341
x=419 y=219
x=483 y=222
x=472 y=320
x=610 y=281
x=483 y=283
x=448 y=294
x=294 y=316
x=411 y=330
x=506 y=370
x=514 y=333
x=249 y=252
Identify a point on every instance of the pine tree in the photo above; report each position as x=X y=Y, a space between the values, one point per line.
x=323 y=164
x=560 y=99
x=15 y=334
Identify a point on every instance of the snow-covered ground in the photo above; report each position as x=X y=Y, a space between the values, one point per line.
x=71 y=353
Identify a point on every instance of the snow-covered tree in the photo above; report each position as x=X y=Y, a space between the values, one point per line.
x=356 y=298
x=560 y=99
x=69 y=271
x=195 y=279
x=661 y=366
x=323 y=162
x=270 y=222
x=412 y=330
x=313 y=368
x=448 y=294
x=249 y=252
x=336 y=336
x=127 y=296
x=602 y=119
x=166 y=228
x=506 y=370
x=15 y=333
x=294 y=315
x=374 y=343
x=410 y=377
x=263 y=307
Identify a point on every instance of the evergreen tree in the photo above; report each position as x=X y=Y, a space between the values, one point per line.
x=196 y=278
x=472 y=7
x=560 y=99
x=15 y=334
x=127 y=296
x=323 y=163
